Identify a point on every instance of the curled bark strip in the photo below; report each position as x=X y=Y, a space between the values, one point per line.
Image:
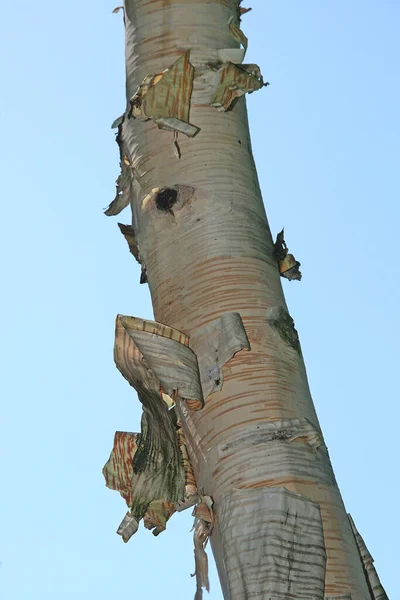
x=280 y=320
x=165 y=98
x=279 y=534
x=237 y=33
x=203 y=526
x=374 y=584
x=161 y=352
x=288 y=265
x=215 y=344
x=191 y=493
x=157 y=361
x=235 y=81
x=243 y=11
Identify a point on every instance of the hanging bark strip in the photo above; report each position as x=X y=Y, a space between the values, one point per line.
x=227 y=366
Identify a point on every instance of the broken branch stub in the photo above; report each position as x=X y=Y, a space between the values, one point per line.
x=165 y=98
x=288 y=265
x=234 y=82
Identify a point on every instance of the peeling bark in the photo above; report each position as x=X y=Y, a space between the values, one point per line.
x=214 y=274
x=374 y=584
x=273 y=545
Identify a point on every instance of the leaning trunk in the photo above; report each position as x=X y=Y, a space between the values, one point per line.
x=200 y=231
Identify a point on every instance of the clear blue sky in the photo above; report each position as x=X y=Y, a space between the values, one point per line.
x=326 y=143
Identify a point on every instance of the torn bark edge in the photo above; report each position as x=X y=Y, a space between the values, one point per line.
x=119 y=475
x=288 y=265
x=280 y=320
x=237 y=33
x=374 y=584
x=128 y=527
x=215 y=344
x=236 y=81
x=149 y=338
x=284 y=531
x=123 y=191
x=129 y=234
x=203 y=525
x=243 y=11
x=147 y=102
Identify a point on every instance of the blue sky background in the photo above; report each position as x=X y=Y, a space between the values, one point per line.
x=326 y=143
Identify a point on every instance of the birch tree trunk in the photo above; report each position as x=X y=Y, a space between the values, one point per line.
x=200 y=231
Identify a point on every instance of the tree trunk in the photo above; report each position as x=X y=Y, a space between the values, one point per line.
x=200 y=231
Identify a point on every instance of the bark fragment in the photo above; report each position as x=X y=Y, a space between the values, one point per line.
x=123 y=192
x=156 y=359
x=165 y=98
x=288 y=265
x=215 y=344
x=284 y=541
x=203 y=526
x=374 y=584
x=191 y=492
x=119 y=473
x=235 y=81
x=243 y=11
x=280 y=320
x=237 y=33
x=129 y=234
x=128 y=527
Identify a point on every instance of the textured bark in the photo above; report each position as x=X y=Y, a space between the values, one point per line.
x=213 y=254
